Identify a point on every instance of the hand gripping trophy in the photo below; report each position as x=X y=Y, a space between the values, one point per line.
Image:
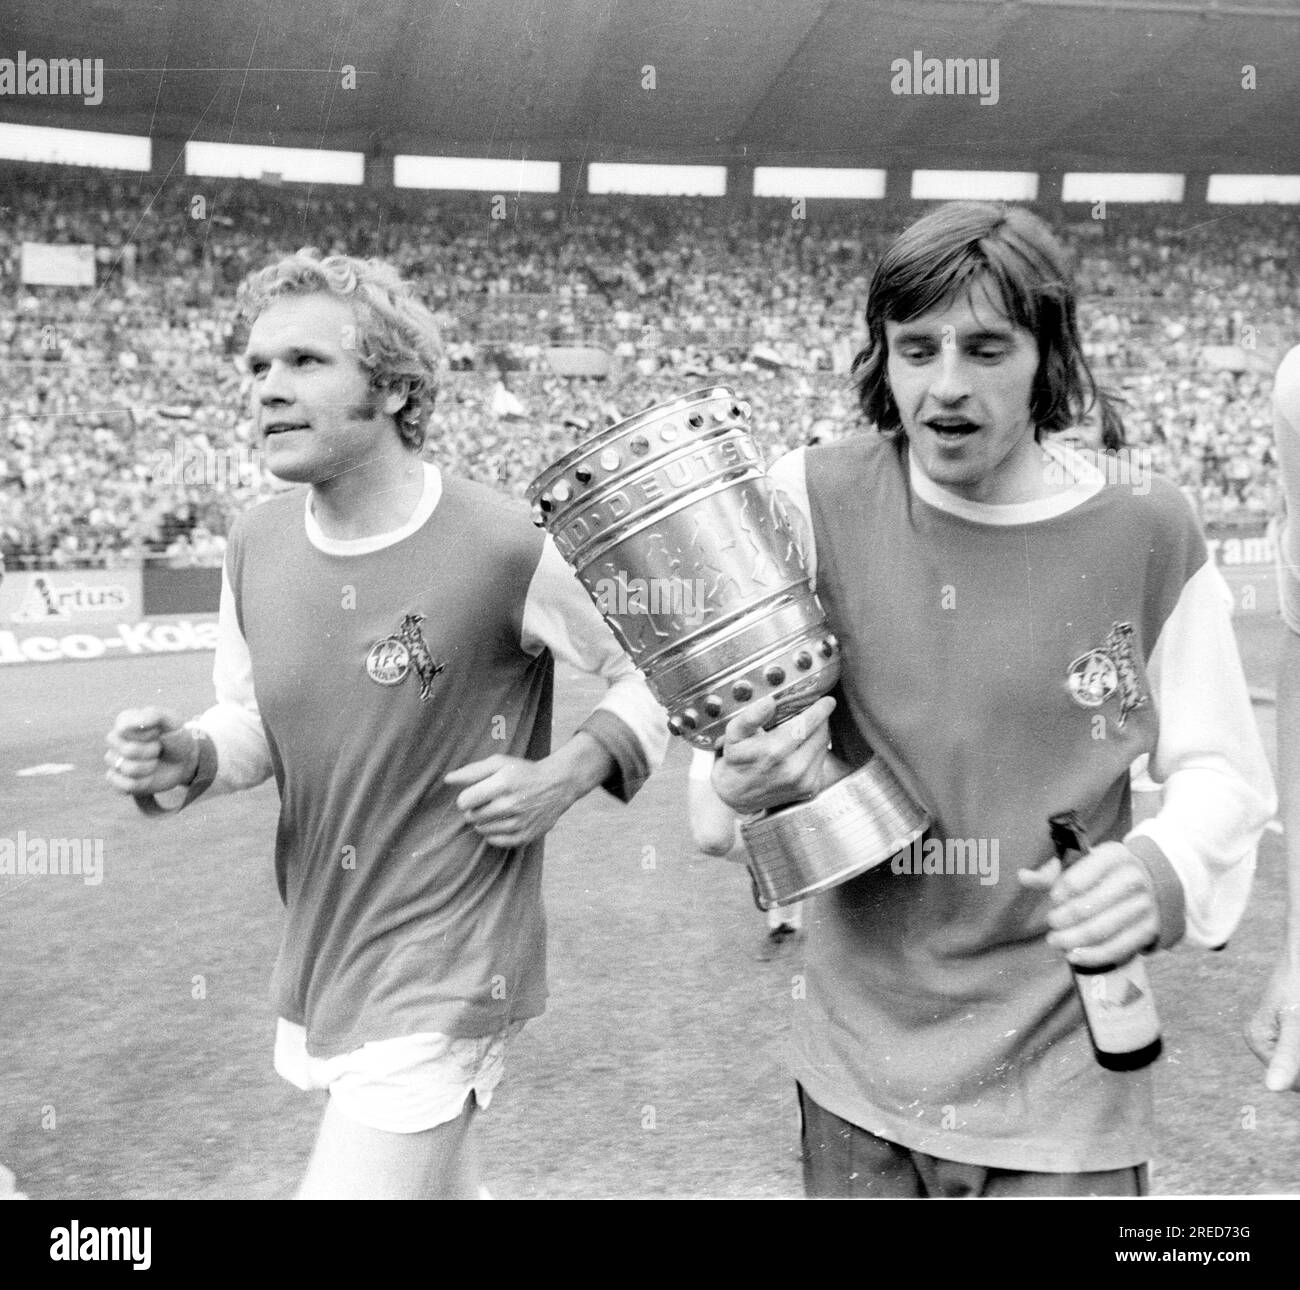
x=671 y=524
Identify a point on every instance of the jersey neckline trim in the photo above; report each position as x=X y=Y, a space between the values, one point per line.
x=1088 y=482
x=428 y=502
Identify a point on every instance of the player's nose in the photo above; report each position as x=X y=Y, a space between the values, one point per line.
x=275 y=385
x=951 y=379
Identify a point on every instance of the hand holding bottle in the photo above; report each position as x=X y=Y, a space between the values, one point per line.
x=1103 y=905
x=1112 y=918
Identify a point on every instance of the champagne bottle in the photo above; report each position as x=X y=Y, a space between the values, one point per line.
x=1117 y=1001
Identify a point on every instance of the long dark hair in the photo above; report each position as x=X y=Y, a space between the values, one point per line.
x=1013 y=254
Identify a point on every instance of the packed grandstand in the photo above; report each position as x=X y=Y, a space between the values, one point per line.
x=126 y=419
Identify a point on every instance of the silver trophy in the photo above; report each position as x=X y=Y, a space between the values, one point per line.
x=670 y=523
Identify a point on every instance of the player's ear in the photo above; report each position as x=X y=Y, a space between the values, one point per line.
x=395 y=396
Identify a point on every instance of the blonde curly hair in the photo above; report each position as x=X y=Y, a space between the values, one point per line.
x=397 y=338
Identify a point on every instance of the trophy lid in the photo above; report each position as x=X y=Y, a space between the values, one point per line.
x=596 y=443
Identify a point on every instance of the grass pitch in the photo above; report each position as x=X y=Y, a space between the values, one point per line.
x=138 y=1028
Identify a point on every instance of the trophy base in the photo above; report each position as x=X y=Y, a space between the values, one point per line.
x=856 y=824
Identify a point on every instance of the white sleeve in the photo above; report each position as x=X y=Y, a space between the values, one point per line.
x=789 y=475
x=560 y=616
x=715 y=827
x=1286 y=438
x=1217 y=786
x=233 y=723
x=701 y=767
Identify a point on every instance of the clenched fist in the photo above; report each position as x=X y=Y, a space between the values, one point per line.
x=150 y=751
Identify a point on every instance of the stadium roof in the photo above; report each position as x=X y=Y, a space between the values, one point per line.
x=1102 y=84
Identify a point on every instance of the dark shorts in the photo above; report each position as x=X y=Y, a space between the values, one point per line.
x=843 y=1162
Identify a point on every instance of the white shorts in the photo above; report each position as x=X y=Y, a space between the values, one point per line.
x=403 y=1085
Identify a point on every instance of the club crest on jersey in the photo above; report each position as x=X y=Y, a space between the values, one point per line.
x=1101 y=673
x=390 y=659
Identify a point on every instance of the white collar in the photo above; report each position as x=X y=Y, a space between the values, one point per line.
x=1088 y=481
x=429 y=499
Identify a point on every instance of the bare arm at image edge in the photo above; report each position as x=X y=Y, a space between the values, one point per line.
x=1274 y=1031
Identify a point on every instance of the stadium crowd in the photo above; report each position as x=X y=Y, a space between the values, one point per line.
x=126 y=421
